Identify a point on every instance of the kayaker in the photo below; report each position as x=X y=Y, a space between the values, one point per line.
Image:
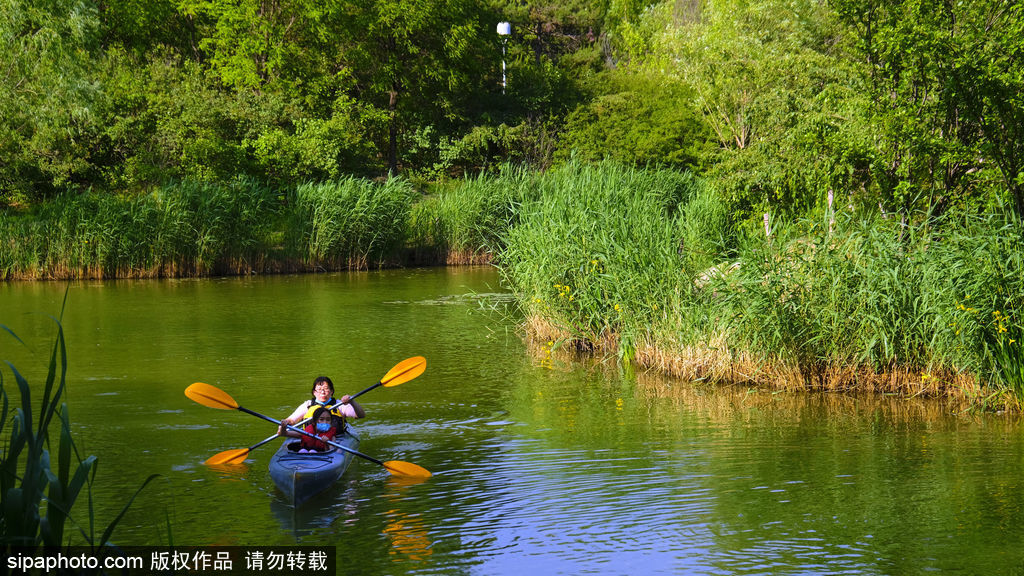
x=323 y=395
x=322 y=426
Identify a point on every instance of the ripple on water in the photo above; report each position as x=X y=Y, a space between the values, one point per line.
x=570 y=504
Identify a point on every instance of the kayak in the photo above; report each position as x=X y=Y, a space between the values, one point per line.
x=303 y=476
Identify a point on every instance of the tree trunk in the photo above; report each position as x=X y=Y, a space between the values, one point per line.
x=393 y=130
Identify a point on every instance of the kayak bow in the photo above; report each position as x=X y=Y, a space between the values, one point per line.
x=303 y=476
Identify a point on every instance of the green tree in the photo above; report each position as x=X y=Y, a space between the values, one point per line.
x=255 y=43
x=946 y=83
x=47 y=95
x=775 y=85
x=640 y=120
x=418 y=61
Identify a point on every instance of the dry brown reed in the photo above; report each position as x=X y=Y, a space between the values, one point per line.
x=727 y=403
x=717 y=364
x=468 y=258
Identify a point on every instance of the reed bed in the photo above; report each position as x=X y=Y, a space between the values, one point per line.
x=590 y=251
x=181 y=230
x=648 y=266
x=201 y=229
x=465 y=222
x=351 y=223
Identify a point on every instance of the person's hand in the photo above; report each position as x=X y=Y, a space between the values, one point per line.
x=280 y=429
x=346 y=399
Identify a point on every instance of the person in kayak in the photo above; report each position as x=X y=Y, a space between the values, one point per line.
x=323 y=427
x=323 y=395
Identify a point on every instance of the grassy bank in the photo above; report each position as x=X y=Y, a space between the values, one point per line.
x=244 y=227
x=649 y=265
x=194 y=229
x=465 y=222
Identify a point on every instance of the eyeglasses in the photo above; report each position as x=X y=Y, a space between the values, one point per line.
x=322 y=388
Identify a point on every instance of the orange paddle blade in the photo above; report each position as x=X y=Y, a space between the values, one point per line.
x=404 y=371
x=236 y=456
x=399 y=468
x=211 y=396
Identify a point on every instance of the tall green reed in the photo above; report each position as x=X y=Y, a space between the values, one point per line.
x=37 y=492
x=351 y=222
x=188 y=228
x=17 y=252
x=215 y=228
x=818 y=296
x=982 y=260
x=610 y=256
x=467 y=221
x=939 y=295
x=597 y=251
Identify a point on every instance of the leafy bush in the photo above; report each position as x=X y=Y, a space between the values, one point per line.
x=639 y=121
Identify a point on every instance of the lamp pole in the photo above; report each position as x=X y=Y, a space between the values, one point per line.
x=504 y=29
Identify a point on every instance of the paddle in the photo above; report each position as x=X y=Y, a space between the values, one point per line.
x=401 y=373
x=214 y=397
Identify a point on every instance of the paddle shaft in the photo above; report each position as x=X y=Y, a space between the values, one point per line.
x=304 y=433
x=306 y=421
x=358 y=394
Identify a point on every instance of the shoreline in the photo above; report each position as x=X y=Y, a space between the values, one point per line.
x=714 y=363
x=262 y=265
x=717 y=365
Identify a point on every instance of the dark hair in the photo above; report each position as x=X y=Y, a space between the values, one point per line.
x=320 y=410
x=321 y=380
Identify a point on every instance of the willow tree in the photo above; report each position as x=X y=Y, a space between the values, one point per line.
x=46 y=95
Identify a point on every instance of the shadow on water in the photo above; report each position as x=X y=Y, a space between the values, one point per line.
x=304 y=522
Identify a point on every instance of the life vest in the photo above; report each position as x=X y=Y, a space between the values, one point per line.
x=315 y=443
x=339 y=418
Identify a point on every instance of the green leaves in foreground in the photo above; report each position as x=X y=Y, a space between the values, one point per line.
x=36 y=494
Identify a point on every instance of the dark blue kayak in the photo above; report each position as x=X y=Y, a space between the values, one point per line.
x=303 y=476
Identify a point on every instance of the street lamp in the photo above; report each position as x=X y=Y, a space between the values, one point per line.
x=504 y=29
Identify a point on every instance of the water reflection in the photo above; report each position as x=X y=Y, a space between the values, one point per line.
x=410 y=540
x=230 y=472
x=541 y=462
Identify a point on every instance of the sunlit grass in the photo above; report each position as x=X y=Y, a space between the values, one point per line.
x=593 y=252
x=648 y=265
x=199 y=229
x=465 y=221
x=351 y=223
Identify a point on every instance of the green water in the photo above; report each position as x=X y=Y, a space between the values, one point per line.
x=543 y=466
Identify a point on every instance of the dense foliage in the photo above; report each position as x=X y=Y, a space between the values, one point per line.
x=905 y=104
x=767 y=176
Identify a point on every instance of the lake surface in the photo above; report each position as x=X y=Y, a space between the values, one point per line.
x=542 y=464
